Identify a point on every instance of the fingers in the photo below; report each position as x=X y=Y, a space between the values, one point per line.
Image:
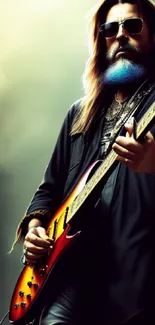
x=129 y=163
x=35 y=250
x=38 y=237
x=137 y=155
x=37 y=245
x=130 y=126
x=127 y=147
x=129 y=151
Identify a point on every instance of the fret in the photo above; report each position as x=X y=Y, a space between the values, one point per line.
x=146 y=119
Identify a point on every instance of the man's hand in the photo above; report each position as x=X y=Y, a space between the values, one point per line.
x=36 y=245
x=138 y=156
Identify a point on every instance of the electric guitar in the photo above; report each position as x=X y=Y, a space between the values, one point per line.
x=31 y=285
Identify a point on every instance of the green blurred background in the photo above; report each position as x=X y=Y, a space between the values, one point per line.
x=43 y=50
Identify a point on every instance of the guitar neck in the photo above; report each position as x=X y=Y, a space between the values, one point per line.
x=145 y=123
x=141 y=129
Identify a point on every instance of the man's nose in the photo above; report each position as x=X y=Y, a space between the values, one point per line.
x=122 y=32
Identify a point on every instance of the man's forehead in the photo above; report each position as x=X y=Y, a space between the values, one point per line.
x=123 y=10
x=107 y=5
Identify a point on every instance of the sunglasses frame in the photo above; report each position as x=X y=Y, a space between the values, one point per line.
x=122 y=23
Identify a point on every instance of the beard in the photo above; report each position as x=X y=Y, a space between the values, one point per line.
x=123 y=73
x=126 y=72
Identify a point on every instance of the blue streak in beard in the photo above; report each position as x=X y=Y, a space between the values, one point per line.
x=123 y=72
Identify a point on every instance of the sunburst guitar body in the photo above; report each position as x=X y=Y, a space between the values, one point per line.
x=28 y=292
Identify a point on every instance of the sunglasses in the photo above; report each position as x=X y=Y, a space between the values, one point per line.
x=131 y=25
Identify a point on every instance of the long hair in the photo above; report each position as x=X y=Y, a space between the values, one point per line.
x=95 y=93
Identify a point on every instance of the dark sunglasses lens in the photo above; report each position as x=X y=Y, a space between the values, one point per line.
x=110 y=29
x=133 y=26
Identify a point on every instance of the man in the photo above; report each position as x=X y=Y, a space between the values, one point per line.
x=108 y=276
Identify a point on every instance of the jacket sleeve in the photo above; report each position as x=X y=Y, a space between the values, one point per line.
x=50 y=192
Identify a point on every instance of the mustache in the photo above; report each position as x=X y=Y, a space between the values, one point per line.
x=120 y=47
